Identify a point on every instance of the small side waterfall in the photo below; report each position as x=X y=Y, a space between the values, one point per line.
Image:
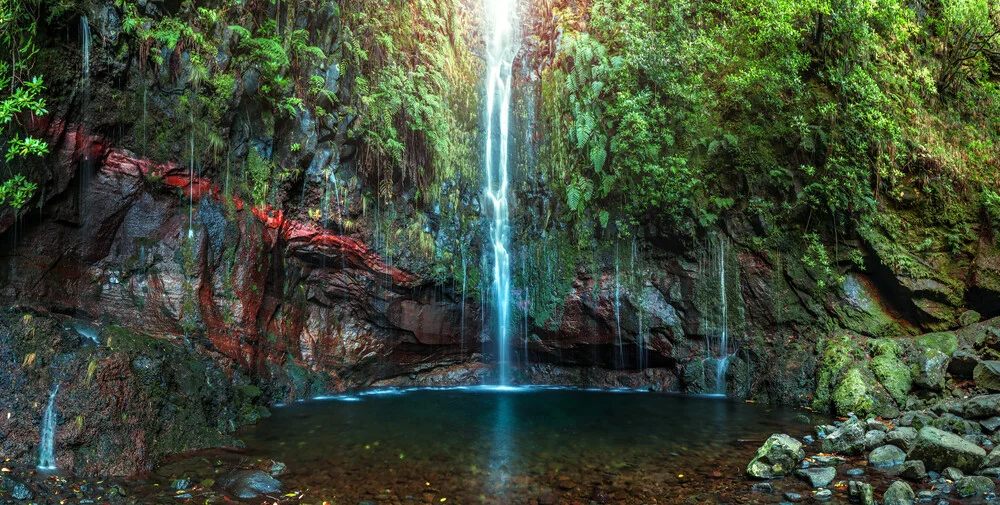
x=501 y=48
x=723 y=363
x=85 y=162
x=46 y=448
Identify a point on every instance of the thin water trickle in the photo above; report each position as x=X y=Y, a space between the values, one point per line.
x=501 y=49
x=85 y=161
x=46 y=447
x=618 y=317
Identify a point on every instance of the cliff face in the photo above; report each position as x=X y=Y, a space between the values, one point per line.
x=215 y=290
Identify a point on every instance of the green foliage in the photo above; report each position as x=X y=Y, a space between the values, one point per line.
x=258 y=175
x=20 y=95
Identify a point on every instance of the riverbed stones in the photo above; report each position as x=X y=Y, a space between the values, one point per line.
x=972 y=485
x=848 y=438
x=940 y=449
x=817 y=477
x=861 y=492
x=874 y=439
x=826 y=460
x=901 y=437
x=963 y=364
x=899 y=493
x=913 y=470
x=249 y=484
x=992 y=459
x=930 y=369
x=886 y=456
x=982 y=406
x=18 y=490
x=987 y=375
x=779 y=456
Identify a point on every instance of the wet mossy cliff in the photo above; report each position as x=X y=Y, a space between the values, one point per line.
x=247 y=203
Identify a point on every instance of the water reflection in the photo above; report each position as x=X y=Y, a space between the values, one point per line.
x=503 y=462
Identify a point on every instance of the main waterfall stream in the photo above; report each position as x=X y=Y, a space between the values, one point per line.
x=500 y=49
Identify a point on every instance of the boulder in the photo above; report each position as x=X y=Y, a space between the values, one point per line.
x=951 y=473
x=991 y=424
x=249 y=484
x=982 y=406
x=886 y=456
x=901 y=437
x=963 y=364
x=899 y=493
x=848 y=438
x=993 y=459
x=817 y=477
x=913 y=470
x=874 y=439
x=940 y=449
x=930 y=369
x=987 y=375
x=779 y=456
x=973 y=485
x=861 y=492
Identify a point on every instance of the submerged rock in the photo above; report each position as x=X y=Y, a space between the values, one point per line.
x=940 y=449
x=247 y=484
x=899 y=493
x=779 y=456
x=817 y=477
x=886 y=456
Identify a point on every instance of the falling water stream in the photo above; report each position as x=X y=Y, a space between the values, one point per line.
x=85 y=161
x=46 y=452
x=501 y=47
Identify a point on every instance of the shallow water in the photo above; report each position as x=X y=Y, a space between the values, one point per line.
x=513 y=445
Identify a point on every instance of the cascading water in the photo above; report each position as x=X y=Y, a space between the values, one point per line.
x=85 y=162
x=46 y=449
x=723 y=364
x=500 y=49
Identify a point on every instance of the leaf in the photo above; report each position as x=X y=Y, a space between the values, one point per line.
x=598 y=155
x=603 y=217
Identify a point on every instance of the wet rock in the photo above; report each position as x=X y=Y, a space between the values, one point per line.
x=823 y=495
x=992 y=472
x=954 y=424
x=794 y=497
x=817 y=477
x=876 y=425
x=973 y=485
x=855 y=472
x=902 y=437
x=886 y=456
x=874 y=439
x=248 y=484
x=848 y=438
x=824 y=460
x=18 y=490
x=915 y=420
x=991 y=424
x=940 y=449
x=969 y=317
x=983 y=406
x=963 y=364
x=861 y=492
x=762 y=487
x=913 y=470
x=779 y=456
x=993 y=459
x=899 y=493
x=929 y=370
x=952 y=473
x=987 y=375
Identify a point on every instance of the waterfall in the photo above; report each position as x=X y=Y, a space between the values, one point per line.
x=723 y=364
x=85 y=162
x=46 y=456
x=618 y=316
x=500 y=50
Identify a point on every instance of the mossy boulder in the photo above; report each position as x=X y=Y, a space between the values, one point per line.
x=894 y=376
x=944 y=341
x=973 y=485
x=930 y=370
x=862 y=312
x=847 y=439
x=899 y=493
x=853 y=395
x=779 y=456
x=987 y=375
x=939 y=450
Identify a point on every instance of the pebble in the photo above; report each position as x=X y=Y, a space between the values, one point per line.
x=823 y=495
x=794 y=497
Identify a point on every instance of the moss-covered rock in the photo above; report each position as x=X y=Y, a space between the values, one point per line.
x=894 y=376
x=939 y=450
x=945 y=342
x=779 y=456
x=853 y=395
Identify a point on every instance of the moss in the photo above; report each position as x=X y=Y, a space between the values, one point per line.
x=837 y=355
x=852 y=394
x=894 y=376
x=945 y=342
